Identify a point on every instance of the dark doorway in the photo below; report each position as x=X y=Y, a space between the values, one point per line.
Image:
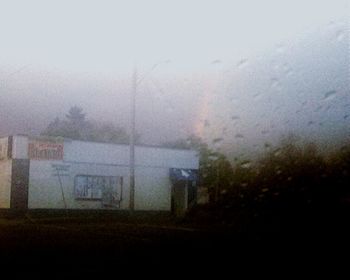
x=191 y=194
x=178 y=198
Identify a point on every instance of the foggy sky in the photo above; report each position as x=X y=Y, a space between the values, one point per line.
x=243 y=71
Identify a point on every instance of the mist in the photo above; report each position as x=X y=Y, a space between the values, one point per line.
x=213 y=73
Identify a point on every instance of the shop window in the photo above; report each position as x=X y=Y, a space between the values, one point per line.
x=98 y=187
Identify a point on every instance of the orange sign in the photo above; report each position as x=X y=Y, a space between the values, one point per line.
x=45 y=150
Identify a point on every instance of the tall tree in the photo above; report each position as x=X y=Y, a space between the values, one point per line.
x=76 y=116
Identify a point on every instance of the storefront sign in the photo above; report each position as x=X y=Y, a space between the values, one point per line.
x=45 y=150
x=61 y=170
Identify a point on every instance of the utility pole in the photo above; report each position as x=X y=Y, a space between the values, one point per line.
x=135 y=82
x=132 y=142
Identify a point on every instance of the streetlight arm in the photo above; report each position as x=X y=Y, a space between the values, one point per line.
x=151 y=70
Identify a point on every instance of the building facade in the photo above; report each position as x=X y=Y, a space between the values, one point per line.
x=58 y=173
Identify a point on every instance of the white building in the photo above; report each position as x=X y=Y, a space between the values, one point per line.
x=57 y=173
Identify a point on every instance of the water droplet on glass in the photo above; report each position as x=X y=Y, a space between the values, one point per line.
x=216 y=61
x=256 y=96
x=233 y=99
x=340 y=35
x=242 y=63
x=289 y=72
x=217 y=140
x=212 y=157
x=277 y=152
x=276 y=66
x=318 y=108
x=275 y=83
x=170 y=109
x=280 y=48
x=246 y=164
x=287 y=69
x=329 y=95
x=278 y=172
x=277 y=108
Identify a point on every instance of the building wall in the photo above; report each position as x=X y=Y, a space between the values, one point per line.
x=152 y=186
x=80 y=151
x=45 y=189
x=152 y=183
x=5 y=183
x=152 y=189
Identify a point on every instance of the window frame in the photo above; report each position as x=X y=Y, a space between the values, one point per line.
x=116 y=179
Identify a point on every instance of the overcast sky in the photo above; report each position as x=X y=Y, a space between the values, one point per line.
x=54 y=54
x=110 y=36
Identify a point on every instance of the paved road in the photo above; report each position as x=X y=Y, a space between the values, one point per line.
x=84 y=247
x=59 y=248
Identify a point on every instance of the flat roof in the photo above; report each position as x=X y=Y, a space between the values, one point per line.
x=43 y=137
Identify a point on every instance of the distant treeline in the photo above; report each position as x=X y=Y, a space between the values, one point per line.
x=292 y=181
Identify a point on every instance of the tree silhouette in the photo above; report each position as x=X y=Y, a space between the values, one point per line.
x=215 y=170
x=76 y=116
x=77 y=127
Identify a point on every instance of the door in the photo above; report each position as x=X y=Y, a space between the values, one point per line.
x=179 y=198
x=191 y=194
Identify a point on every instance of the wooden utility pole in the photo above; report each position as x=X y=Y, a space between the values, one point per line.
x=132 y=142
x=135 y=82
